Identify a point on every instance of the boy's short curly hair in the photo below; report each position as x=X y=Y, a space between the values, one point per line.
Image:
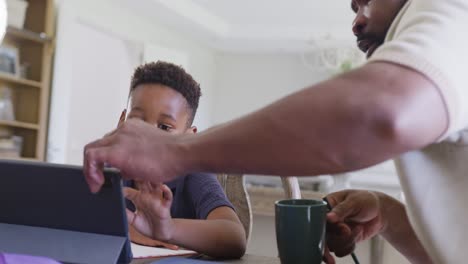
x=170 y=75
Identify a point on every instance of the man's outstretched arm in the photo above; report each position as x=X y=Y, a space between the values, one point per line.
x=349 y=122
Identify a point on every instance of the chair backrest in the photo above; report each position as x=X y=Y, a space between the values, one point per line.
x=291 y=187
x=236 y=192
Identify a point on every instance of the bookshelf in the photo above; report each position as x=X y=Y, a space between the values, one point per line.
x=30 y=94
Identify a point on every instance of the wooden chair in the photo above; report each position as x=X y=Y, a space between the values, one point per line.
x=236 y=192
x=291 y=187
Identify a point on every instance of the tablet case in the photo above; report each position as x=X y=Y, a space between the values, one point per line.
x=48 y=210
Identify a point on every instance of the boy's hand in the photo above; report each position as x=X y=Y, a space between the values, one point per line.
x=356 y=216
x=152 y=217
x=138 y=238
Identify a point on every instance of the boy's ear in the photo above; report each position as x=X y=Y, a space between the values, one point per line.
x=192 y=130
x=122 y=117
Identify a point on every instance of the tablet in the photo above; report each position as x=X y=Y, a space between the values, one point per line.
x=51 y=196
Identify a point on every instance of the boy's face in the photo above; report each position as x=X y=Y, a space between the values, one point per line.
x=372 y=21
x=162 y=107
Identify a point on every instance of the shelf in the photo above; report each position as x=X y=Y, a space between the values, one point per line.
x=30 y=93
x=16 y=80
x=27 y=35
x=17 y=124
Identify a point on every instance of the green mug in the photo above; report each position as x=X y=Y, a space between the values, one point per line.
x=300 y=230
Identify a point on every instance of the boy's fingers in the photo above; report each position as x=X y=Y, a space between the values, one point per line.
x=167 y=193
x=132 y=195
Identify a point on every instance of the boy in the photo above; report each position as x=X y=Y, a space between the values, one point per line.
x=193 y=211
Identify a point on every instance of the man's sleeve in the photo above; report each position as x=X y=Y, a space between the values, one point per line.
x=431 y=37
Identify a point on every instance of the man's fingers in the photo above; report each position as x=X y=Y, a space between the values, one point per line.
x=327 y=257
x=339 y=229
x=341 y=245
x=94 y=160
x=107 y=140
x=344 y=243
x=342 y=211
x=345 y=251
x=338 y=244
x=337 y=197
x=341 y=206
x=98 y=154
x=340 y=237
x=357 y=233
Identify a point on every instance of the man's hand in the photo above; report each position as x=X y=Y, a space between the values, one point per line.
x=356 y=216
x=139 y=150
x=152 y=217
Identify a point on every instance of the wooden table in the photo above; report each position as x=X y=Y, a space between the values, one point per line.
x=247 y=259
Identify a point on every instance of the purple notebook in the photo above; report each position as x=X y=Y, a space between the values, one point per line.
x=21 y=259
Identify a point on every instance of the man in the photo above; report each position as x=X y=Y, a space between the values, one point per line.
x=409 y=100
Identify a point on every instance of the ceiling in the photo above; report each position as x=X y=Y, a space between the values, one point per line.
x=255 y=25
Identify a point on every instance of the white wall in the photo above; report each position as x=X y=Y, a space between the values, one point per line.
x=120 y=22
x=98 y=92
x=246 y=82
